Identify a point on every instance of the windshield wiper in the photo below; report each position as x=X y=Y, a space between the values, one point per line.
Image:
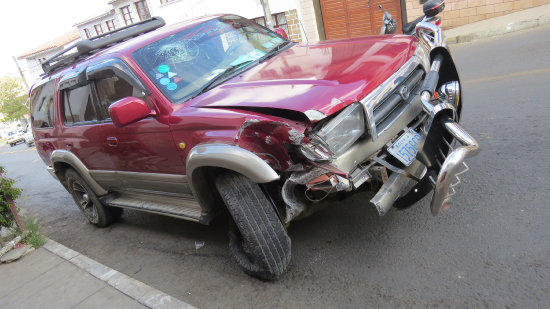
x=272 y=52
x=216 y=78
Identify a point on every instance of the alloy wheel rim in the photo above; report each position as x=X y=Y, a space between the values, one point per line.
x=84 y=201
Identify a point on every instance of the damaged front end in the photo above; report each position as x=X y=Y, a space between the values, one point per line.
x=403 y=139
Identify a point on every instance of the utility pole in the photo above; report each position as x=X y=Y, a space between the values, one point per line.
x=267 y=14
x=21 y=73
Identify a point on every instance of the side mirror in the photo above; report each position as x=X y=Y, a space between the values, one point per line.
x=433 y=7
x=128 y=110
x=281 y=32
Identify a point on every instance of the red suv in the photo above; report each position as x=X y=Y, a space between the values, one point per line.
x=220 y=114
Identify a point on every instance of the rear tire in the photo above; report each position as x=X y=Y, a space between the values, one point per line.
x=259 y=242
x=87 y=201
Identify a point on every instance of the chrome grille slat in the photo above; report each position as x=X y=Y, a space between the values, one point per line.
x=391 y=106
x=376 y=97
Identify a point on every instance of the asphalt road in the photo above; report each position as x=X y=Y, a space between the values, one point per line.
x=491 y=249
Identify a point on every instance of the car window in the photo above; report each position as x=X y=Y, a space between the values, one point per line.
x=112 y=89
x=42 y=102
x=182 y=63
x=78 y=106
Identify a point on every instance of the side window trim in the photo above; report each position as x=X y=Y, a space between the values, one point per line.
x=115 y=66
x=94 y=102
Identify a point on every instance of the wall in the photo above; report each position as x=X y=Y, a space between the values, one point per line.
x=309 y=22
x=90 y=25
x=461 y=12
x=32 y=68
x=180 y=10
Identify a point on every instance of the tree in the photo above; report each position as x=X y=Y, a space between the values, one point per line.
x=14 y=109
x=12 y=99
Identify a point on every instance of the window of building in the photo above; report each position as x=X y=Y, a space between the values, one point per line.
x=42 y=102
x=127 y=15
x=110 y=25
x=279 y=20
x=166 y=1
x=143 y=10
x=112 y=89
x=98 y=29
x=87 y=33
x=78 y=106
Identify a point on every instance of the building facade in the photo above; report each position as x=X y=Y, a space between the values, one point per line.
x=31 y=61
x=303 y=20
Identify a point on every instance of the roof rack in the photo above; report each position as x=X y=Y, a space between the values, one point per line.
x=84 y=48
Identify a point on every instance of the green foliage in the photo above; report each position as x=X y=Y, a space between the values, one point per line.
x=7 y=191
x=14 y=109
x=12 y=99
x=34 y=235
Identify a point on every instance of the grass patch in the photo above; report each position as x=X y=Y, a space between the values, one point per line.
x=34 y=236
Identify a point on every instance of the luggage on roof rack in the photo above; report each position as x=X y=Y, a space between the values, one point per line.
x=84 y=48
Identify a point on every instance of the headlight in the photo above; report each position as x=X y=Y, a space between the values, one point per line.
x=337 y=135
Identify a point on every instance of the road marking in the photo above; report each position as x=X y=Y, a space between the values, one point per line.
x=505 y=76
x=17 y=151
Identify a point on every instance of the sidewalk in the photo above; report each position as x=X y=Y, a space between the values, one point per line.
x=525 y=19
x=55 y=276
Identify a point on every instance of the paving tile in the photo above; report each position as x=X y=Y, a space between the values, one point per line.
x=26 y=269
x=63 y=286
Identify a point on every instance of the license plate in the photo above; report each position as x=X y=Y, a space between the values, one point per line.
x=405 y=147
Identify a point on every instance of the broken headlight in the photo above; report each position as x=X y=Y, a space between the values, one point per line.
x=334 y=137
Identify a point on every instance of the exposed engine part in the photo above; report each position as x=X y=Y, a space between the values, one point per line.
x=391 y=190
x=316 y=179
x=380 y=173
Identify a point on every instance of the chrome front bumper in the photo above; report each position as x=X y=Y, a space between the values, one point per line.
x=454 y=165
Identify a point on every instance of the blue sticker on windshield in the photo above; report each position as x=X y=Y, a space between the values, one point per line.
x=163 y=68
x=171 y=86
x=164 y=81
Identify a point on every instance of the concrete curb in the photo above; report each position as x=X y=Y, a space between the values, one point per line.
x=521 y=20
x=139 y=291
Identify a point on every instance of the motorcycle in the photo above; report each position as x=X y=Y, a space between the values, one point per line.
x=431 y=9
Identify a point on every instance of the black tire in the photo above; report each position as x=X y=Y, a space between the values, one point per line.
x=258 y=242
x=87 y=201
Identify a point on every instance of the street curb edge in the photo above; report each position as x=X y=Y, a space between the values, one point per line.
x=137 y=290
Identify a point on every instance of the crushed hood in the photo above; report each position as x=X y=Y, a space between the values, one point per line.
x=325 y=76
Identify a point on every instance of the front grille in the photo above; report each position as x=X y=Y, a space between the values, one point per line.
x=393 y=104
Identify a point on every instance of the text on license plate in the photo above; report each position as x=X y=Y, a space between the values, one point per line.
x=405 y=147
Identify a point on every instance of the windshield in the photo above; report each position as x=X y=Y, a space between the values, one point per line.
x=184 y=64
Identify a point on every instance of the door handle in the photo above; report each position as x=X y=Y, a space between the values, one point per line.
x=112 y=141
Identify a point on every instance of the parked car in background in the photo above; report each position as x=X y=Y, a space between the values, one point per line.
x=220 y=115
x=29 y=138
x=15 y=137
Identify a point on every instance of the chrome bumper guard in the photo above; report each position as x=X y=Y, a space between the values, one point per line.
x=454 y=165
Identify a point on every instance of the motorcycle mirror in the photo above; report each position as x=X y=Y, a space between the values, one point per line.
x=433 y=7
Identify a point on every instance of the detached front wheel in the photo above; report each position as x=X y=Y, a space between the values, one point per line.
x=258 y=242
x=88 y=202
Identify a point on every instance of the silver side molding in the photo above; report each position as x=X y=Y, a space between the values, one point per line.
x=230 y=157
x=64 y=156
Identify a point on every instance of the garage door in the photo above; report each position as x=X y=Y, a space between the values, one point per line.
x=352 y=18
